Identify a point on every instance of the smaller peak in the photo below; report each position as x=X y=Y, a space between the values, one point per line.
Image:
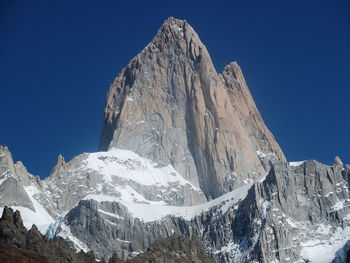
x=19 y=164
x=173 y=25
x=4 y=149
x=232 y=66
x=17 y=219
x=8 y=214
x=233 y=70
x=60 y=159
x=60 y=164
x=337 y=162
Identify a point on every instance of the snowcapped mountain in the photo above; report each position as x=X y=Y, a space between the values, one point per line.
x=184 y=150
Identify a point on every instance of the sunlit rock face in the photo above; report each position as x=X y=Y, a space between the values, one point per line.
x=170 y=105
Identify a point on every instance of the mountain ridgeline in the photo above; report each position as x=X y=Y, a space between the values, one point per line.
x=187 y=171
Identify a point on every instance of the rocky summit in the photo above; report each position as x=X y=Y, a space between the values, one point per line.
x=187 y=171
x=171 y=106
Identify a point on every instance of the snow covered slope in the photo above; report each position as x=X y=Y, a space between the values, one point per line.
x=120 y=175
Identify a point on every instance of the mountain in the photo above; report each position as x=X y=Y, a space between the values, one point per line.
x=185 y=155
x=171 y=106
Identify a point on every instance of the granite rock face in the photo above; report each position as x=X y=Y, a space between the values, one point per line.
x=170 y=105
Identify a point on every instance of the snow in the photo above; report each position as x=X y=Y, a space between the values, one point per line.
x=295 y=164
x=264 y=155
x=42 y=219
x=30 y=217
x=230 y=246
x=51 y=231
x=129 y=166
x=66 y=234
x=291 y=222
x=139 y=122
x=154 y=211
x=109 y=214
x=323 y=251
x=328 y=194
x=337 y=206
x=3 y=179
x=39 y=217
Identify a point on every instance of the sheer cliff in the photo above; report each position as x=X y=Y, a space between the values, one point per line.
x=170 y=105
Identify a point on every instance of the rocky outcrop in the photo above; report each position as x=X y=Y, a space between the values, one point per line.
x=30 y=246
x=13 y=178
x=170 y=105
x=175 y=249
x=338 y=162
x=10 y=254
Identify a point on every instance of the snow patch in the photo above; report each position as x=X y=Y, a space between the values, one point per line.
x=65 y=233
x=129 y=166
x=295 y=164
x=323 y=251
x=39 y=217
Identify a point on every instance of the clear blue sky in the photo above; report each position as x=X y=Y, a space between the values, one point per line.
x=57 y=59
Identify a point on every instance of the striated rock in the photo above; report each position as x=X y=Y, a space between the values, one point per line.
x=170 y=105
x=295 y=213
x=109 y=227
x=298 y=214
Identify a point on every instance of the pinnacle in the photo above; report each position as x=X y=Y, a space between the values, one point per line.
x=173 y=27
x=60 y=158
x=338 y=162
x=231 y=65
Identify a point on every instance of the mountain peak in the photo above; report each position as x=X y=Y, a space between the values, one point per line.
x=176 y=34
x=174 y=25
x=171 y=106
x=174 y=21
